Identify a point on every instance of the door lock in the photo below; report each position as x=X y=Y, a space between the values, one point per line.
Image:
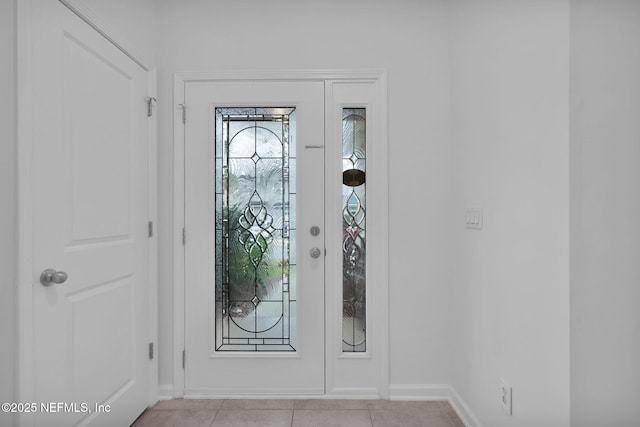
x=315 y=252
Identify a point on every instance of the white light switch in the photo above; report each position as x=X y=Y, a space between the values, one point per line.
x=473 y=218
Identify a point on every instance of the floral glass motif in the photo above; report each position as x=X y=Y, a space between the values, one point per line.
x=353 y=230
x=255 y=209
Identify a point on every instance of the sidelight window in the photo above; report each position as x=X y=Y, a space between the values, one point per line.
x=354 y=230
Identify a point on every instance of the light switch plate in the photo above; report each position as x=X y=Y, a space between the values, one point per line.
x=474 y=218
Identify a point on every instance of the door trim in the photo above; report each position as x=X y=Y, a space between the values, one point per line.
x=24 y=339
x=378 y=256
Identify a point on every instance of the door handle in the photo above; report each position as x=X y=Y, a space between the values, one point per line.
x=50 y=276
x=315 y=252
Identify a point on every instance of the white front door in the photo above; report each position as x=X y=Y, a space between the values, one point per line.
x=91 y=321
x=254 y=259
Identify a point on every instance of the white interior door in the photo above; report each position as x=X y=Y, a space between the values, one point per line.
x=254 y=271
x=90 y=210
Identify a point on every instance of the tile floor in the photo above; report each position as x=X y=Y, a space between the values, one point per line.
x=298 y=413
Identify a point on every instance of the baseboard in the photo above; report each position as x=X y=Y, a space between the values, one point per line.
x=435 y=392
x=352 y=393
x=165 y=392
x=419 y=391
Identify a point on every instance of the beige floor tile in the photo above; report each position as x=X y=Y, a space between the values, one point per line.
x=447 y=406
x=191 y=418
x=410 y=417
x=253 y=418
x=176 y=418
x=257 y=404
x=457 y=422
x=152 y=418
x=330 y=404
x=300 y=413
x=331 y=418
x=188 y=404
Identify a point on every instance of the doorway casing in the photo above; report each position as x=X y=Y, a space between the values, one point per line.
x=377 y=235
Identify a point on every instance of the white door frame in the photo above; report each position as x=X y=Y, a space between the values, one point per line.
x=378 y=271
x=24 y=346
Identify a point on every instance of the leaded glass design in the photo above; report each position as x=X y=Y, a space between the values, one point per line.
x=255 y=229
x=353 y=230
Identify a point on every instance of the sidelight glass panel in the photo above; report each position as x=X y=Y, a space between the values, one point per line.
x=255 y=229
x=354 y=338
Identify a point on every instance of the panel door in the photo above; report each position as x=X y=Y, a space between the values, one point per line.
x=90 y=205
x=254 y=285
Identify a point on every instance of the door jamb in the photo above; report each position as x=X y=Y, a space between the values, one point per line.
x=379 y=256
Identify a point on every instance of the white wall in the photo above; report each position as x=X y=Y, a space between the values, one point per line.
x=131 y=24
x=605 y=190
x=408 y=38
x=510 y=156
x=7 y=202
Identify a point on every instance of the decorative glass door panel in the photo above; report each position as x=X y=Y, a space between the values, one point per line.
x=255 y=169
x=254 y=296
x=353 y=230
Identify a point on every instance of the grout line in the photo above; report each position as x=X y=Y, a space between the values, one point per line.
x=217 y=412
x=214 y=418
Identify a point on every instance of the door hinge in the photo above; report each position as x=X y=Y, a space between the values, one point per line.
x=150 y=351
x=184 y=112
x=150 y=228
x=150 y=100
x=184 y=237
x=183 y=359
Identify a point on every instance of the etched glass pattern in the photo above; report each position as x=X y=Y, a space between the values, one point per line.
x=255 y=229
x=353 y=230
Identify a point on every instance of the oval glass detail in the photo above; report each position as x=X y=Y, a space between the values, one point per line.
x=353 y=177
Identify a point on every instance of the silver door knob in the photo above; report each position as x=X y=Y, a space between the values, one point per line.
x=314 y=252
x=50 y=276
